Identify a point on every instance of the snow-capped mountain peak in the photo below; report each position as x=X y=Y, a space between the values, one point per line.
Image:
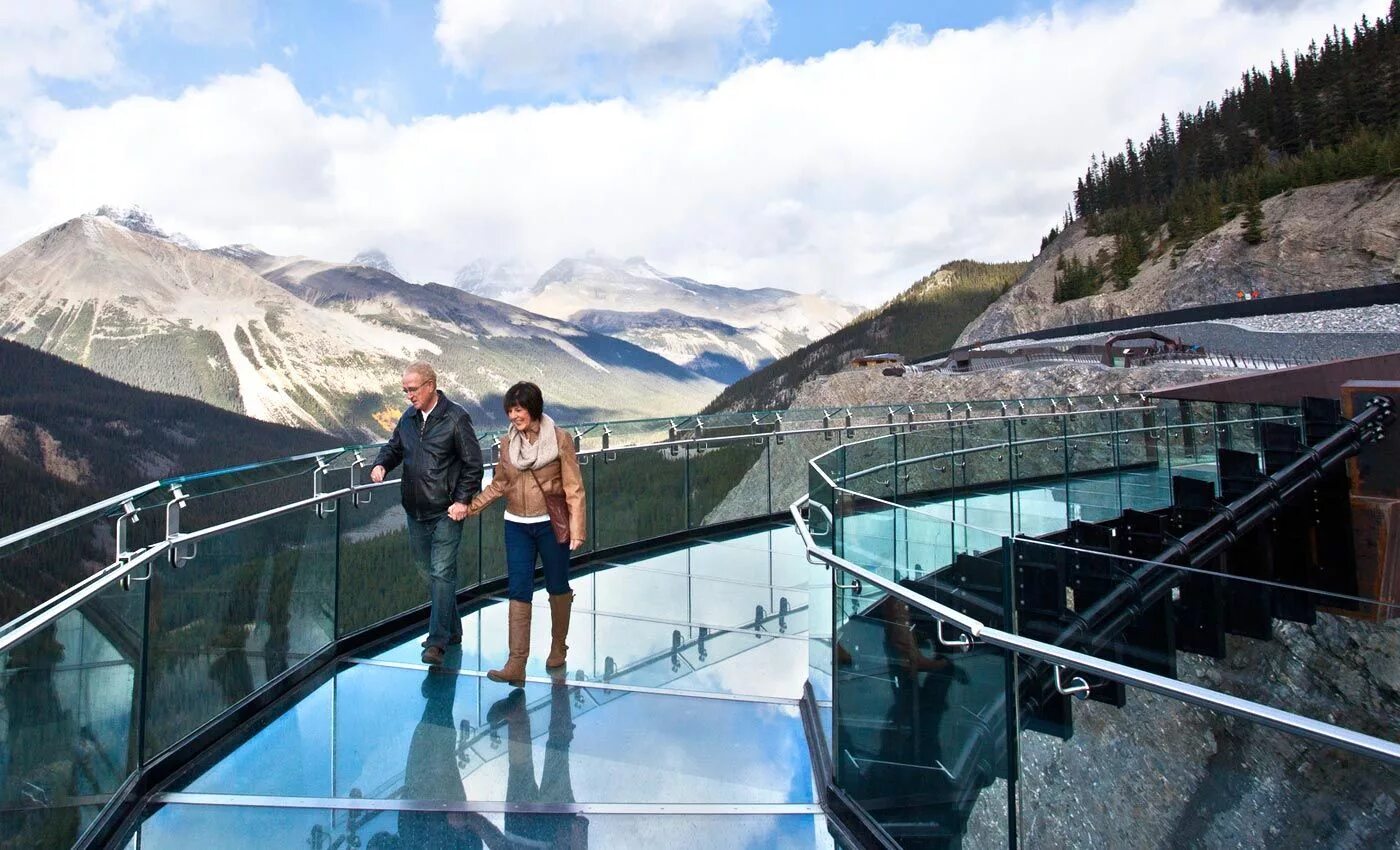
x=375 y=259
x=137 y=220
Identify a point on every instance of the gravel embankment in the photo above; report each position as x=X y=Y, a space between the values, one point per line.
x=1327 y=334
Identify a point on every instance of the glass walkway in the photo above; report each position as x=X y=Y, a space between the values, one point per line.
x=927 y=626
x=676 y=725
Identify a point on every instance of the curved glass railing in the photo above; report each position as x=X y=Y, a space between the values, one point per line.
x=134 y=623
x=967 y=703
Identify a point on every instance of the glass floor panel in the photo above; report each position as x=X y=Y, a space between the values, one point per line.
x=217 y=827
x=384 y=733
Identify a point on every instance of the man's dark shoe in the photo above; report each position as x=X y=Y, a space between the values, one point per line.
x=432 y=656
x=455 y=640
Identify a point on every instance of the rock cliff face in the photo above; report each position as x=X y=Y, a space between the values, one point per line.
x=854 y=388
x=1319 y=238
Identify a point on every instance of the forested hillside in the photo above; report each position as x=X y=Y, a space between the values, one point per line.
x=1330 y=113
x=923 y=319
x=69 y=436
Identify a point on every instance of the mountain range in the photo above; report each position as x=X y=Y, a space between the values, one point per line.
x=304 y=342
x=721 y=332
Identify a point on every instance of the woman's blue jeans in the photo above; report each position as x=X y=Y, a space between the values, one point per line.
x=525 y=541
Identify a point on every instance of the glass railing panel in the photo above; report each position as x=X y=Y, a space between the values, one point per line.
x=824 y=518
x=1215 y=780
x=926 y=541
x=1194 y=443
x=790 y=454
x=252 y=601
x=981 y=469
x=1039 y=500
x=920 y=733
x=1093 y=490
x=871 y=466
x=727 y=480
x=925 y=466
x=870 y=532
x=655 y=502
x=215 y=497
x=175 y=827
x=1300 y=650
x=1237 y=427
x=73 y=555
x=70 y=692
x=376 y=576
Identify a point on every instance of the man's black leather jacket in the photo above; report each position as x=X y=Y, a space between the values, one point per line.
x=441 y=458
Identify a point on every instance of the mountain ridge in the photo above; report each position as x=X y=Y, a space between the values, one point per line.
x=302 y=341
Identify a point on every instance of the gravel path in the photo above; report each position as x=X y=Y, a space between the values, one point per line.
x=1326 y=334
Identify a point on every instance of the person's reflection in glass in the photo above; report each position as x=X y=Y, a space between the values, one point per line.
x=432 y=773
x=40 y=738
x=917 y=717
x=558 y=830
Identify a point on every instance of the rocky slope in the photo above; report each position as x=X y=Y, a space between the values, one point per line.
x=922 y=319
x=854 y=388
x=303 y=342
x=1318 y=238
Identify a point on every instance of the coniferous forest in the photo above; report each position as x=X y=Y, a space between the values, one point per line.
x=1331 y=112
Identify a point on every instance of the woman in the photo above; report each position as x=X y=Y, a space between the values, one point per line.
x=537 y=459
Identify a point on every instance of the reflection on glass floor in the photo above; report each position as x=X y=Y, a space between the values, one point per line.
x=677 y=724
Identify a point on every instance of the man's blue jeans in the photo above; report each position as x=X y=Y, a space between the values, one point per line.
x=525 y=540
x=433 y=544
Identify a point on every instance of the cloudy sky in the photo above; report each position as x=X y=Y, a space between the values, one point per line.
x=809 y=144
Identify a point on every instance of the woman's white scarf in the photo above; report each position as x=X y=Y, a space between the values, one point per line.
x=539 y=454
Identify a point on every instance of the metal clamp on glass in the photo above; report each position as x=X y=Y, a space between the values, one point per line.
x=1077 y=688
x=179 y=552
x=854 y=585
x=318 y=489
x=129 y=515
x=358 y=498
x=962 y=642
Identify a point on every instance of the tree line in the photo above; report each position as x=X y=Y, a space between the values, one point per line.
x=1331 y=112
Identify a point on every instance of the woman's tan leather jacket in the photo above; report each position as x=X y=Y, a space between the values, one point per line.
x=524 y=498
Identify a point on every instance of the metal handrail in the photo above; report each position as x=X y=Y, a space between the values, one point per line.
x=57 y=607
x=1325 y=733
x=94 y=511
x=53 y=608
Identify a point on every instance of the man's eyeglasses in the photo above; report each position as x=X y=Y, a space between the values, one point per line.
x=412 y=390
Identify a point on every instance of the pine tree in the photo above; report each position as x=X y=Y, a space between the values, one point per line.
x=1253 y=216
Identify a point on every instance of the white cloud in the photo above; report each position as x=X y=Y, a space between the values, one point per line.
x=215 y=22
x=586 y=46
x=59 y=39
x=856 y=172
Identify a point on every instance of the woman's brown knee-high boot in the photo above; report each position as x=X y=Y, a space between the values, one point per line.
x=518 y=638
x=560 y=605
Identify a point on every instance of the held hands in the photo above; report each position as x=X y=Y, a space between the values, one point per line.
x=458 y=511
x=377 y=474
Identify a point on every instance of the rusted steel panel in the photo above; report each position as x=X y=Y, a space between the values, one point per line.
x=1375 y=525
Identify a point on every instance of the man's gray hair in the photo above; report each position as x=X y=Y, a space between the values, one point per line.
x=422 y=369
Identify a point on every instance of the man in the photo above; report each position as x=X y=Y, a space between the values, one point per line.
x=437 y=445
